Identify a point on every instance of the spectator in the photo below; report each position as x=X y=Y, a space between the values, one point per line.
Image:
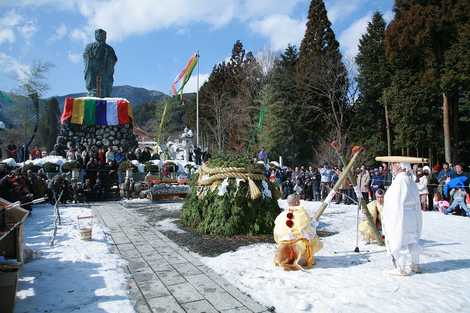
x=458 y=194
x=101 y=157
x=387 y=174
x=131 y=155
x=459 y=171
x=109 y=155
x=325 y=180
x=422 y=182
x=12 y=151
x=262 y=155
x=377 y=182
x=91 y=170
x=363 y=180
x=70 y=154
x=315 y=176
x=119 y=156
x=138 y=155
x=445 y=172
x=24 y=153
x=432 y=183
x=85 y=156
x=35 y=153
x=145 y=156
x=206 y=156
x=197 y=155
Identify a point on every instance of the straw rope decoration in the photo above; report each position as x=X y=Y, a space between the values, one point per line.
x=213 y=176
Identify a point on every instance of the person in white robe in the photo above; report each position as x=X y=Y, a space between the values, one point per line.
x=402 y=220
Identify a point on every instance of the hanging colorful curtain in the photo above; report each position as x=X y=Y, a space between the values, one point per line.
x=94 y=111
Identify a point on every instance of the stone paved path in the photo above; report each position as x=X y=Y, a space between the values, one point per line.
x=163 y=276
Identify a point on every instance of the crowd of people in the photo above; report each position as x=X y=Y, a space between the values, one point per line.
x=98 y=168
x=443 y=187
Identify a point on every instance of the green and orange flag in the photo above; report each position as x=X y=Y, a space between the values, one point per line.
x=185 y=74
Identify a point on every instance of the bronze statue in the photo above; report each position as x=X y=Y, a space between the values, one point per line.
x=99 y=60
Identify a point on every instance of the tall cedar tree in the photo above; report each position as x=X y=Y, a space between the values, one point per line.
x=417 y=43
x=373 y=77
x=227 y=107
x=319 y=54
x=285 y=110
x=245 y=75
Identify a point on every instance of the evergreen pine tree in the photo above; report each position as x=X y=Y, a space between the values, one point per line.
x=286 y=120
x=373 y=77
x=417 y=43
x=320 y=66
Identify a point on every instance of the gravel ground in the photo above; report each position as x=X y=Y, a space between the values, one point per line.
x=204 y=245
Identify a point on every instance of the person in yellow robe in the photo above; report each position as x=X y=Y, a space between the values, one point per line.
x=296 y=237
x=375 y=209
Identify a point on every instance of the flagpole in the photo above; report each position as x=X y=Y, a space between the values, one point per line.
x=197 y=102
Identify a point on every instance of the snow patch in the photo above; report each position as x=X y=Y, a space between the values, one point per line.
x=344 y=281
x=74 y=275
x=169 y=225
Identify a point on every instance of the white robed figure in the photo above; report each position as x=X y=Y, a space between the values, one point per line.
x=402 y=220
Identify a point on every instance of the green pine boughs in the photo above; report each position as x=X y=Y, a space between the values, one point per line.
x=233 y=213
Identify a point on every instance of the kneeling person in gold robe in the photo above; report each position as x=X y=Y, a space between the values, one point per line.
x=375 y=209
x=296 y=237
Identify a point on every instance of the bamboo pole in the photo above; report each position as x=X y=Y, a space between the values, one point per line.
x=361 y=200
x=342 y=177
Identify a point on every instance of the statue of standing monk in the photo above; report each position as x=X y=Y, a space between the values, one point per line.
x=99 y=60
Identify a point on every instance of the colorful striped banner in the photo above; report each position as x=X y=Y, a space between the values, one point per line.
x=90 y=112
x=185 y=75
x=68 y=108
x=95 y=111
x=123 y=112
x=111 y=112
x=101 y=112
x=78 y=111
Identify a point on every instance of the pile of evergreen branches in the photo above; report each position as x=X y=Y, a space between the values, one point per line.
x=232 y=212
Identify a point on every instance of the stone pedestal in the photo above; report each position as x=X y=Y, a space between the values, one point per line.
x=94 y=137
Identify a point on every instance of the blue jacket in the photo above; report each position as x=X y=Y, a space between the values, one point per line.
x=377 y=182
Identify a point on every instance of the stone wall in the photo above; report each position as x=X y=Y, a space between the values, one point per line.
x=119 y=136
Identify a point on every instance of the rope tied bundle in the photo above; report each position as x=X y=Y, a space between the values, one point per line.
x=213 y=177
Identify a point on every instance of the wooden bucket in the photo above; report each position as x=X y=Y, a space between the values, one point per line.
x=85 y=230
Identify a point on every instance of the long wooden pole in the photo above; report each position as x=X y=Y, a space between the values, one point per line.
x=361 y=200
x=197 y=102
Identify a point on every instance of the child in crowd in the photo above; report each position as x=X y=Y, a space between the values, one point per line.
x=458 y=195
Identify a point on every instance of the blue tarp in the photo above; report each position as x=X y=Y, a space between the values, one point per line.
x=454 y=183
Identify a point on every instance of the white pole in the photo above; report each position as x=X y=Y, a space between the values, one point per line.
x=197 y=103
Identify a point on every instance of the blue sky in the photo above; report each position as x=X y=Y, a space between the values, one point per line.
x=154 y=38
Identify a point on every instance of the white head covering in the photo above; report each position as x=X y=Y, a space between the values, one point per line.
x=405 y=166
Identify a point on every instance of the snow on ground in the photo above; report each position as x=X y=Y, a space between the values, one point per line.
x=168 y=224
x=343 y=281
x=136 y=201
x=74 y=275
